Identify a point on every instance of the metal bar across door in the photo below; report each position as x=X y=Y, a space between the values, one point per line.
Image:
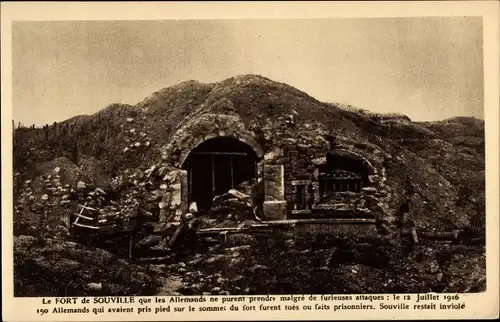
x=213 y=177
x=231 y=167
x=190 y=189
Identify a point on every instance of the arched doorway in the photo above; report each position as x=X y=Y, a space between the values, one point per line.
x=217 y=165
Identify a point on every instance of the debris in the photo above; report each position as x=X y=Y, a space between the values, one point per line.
x=94 y=286
x=149 y=241
x=175 y=235
x=84 y=217
x=150 y=170
x=81 y=185
x=188 y=216
x=85 y=207
x=193 y=208
x=100 y=191
x=85 y=226
x=319 y=161
x=414 y=235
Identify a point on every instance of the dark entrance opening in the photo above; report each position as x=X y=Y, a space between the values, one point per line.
x=216 y=166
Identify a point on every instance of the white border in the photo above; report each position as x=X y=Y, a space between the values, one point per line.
x=484 y=305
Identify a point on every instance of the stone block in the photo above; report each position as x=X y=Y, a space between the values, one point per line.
x=285 y=161
x=274 y=154
x=319 y=153
x=293 y=154
x=172 y=176
x=274 y=182
x=319 y=161
x=302 y=174
x=274 y=210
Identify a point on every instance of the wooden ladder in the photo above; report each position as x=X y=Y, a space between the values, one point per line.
x=80 y=215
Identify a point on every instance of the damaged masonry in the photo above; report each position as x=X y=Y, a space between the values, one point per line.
x=241 y=162
x=302 y=178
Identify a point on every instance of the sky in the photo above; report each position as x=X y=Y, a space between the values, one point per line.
x=427 y=68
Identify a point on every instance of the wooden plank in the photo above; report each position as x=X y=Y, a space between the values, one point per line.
x=81 y=212
x=318 y=221
x=437 y=235
x=146 y=213
x=190 y=189
x=301 y=212
x=152 y=259
x=268 y=224
x=335 y=207
x=221 y=153
x=175 y=235
x=85 y=217
x=232 y=170
x=85 y=226
x=85 y=207
x=213 y=177
x=300 y=182
x=221 y=229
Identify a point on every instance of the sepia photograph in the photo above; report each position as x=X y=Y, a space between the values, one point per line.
x=248 y=157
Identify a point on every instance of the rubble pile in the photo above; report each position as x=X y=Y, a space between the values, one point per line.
x=228 y=210
x=42 y=207
x=130 y=200
x=289 y=264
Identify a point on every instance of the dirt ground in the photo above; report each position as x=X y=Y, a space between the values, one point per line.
x=317 y=265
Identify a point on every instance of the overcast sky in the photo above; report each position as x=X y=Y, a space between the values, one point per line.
x=426 y=68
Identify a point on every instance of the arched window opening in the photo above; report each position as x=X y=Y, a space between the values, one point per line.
x=340 y=174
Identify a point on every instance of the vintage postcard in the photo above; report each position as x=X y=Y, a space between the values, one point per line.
x=250 y=161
